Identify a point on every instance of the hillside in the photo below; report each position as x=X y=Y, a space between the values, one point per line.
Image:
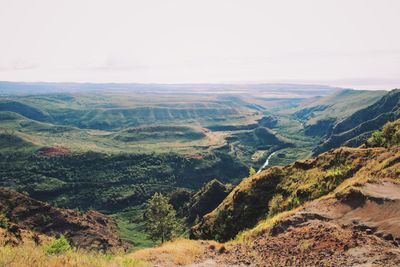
x=284 y=188
x=339 y=209
x=356 y=225
x=206 y=199
x=87 y=230
x=355 y=129
x=322 y=114
x=112 y=151
x=109 y=182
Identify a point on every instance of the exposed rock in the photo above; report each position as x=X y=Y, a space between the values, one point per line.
x=90 y=230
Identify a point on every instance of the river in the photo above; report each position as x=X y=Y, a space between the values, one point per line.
x=266 y=162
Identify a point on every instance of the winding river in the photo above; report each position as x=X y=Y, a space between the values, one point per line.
x=266 y=162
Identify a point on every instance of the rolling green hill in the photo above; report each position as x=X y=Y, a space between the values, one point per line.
x=355 y=129
x=111 y=150
x=321 y=115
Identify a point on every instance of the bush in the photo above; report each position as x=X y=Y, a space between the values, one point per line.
x=335 y=172
x=4 y=223
x=376 y=139
x=58 y=246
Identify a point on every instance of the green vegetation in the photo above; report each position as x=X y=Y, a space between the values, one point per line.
x=110 y=182
x=132 y=227
x=387 y=137
x=111 y=151
x=276 y=205
x=252 y=171
x=358 y=127
x=161 y=221
x=320 y=116
x=205 y=200
x=4 y=222
x=58 y=246
x=160 y=133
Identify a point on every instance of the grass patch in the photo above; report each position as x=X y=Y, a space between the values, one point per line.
x=131 y=228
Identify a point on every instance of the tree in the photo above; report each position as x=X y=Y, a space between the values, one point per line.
x=161 y=222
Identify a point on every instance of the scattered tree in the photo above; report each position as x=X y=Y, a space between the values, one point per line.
x=161 y=222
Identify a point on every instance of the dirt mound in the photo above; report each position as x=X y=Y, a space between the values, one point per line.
x=360 y=226
x=91 y=230
x=314 y=243
x=53 y=151
x=374 y=207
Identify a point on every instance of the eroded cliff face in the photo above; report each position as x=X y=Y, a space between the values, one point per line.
x=31 y=219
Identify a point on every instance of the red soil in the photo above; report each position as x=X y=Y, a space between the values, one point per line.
x=54 y=151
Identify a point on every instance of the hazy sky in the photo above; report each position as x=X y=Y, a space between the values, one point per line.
x=353 y=43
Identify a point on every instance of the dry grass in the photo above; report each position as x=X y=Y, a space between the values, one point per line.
x=263 y=226
x=34 y=256
x=175 y=253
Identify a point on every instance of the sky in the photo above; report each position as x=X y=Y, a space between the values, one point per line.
x=347 y=43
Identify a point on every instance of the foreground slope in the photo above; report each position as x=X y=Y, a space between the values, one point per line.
x=284 y=188
x=355 y=224
x=90 y=230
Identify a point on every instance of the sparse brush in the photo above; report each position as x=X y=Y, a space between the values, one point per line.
x=29 y=255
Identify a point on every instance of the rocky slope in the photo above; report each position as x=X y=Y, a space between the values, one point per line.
x=91 y=230
x=206 y=199
x=339 y=209
x=283 y=188
x=358 y=226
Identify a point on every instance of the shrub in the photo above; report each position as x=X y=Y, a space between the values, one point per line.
x=376 y=139
x=58 y=246
x=4 y=223
x=335 y=172
x=252 y=171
